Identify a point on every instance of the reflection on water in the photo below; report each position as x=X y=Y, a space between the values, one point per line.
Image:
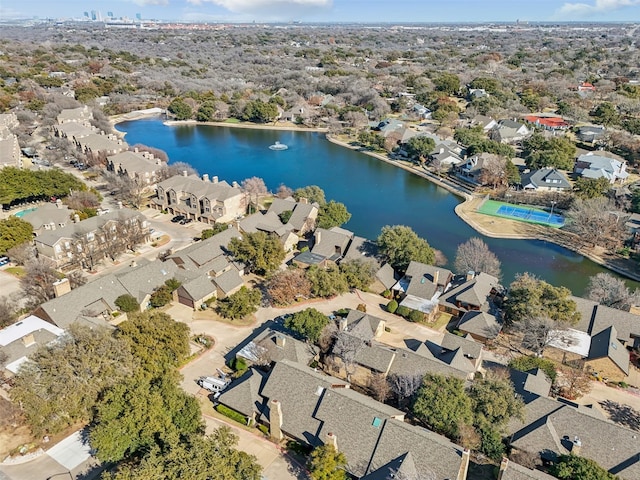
x=375 y=192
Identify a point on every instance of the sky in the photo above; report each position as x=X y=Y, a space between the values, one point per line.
x=370 y=11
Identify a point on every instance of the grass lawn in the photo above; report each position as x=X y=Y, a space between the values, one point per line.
x=441 y=322
x=232 y=120
x=15 y=271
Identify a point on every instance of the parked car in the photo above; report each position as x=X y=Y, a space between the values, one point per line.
x=184 y=221
x=4 y=260
x=214 y=384
x=177 y=218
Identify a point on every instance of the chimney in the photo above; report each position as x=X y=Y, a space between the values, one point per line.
x=184 y=173
x=135 y=150
x=28 y=340
x=58 y=203
x=234 y=184
x=76 y=218
x=470 y=275
x=52 y=225
x=576 y=447
x=133 y=264
x=503 y=467
x=150 y=156
x=205 y=177
x=332 y=439
x=61 y=287
x=158 y=161
x=275 y=421
x=318 y=236
x=215 y=180
x=119 y=205
x=464 y=464
x=280 y=341
x=342 y=324
x=436 y=276
x=304 y=200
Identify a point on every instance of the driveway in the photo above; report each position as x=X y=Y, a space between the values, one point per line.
x=9 y=284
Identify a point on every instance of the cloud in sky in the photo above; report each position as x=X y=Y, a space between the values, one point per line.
x=144 y=3
x=569 y=10
x=273 y=8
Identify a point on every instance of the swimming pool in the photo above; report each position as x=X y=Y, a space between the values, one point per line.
x=22 y=213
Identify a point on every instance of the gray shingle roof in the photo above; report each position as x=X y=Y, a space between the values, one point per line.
x=594 y=318
x=421 y=362
x=514 y=471
x=387 y=276
x=606 y=344
x=472 y=292
x=530 y=385
x=290 y=349
x=480 y=323
x=198 y=288
x=362 y=325
x=468 y=345
x=545 y=177
x=243 y=395
x=332 y=242
x=47 y=214
x=228 y=281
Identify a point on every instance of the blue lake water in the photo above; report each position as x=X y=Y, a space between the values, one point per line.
x=375 y=192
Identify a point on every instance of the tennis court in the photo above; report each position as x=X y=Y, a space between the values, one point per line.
x=523 y=214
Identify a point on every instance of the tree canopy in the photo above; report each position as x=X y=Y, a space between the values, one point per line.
x=420 y=147
x=308 y=322
x=474 y=256
x=529 y=297
x=573 y=467
x=19 y=185
x=442 y=403
x=259 y=251
x=240 y=304
x=359 y=272
x=180 y=109
x=611 y=291
x=556 y=152
x=313 y=193
x=326 y=282
x=591 y=187
x=332 y=214
x=286 y=286
x=400 y=244
x=259 y=111
x=326 y=463
x=13 y=232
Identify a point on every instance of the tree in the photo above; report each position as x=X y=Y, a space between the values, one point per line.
x=156 y=340
x=61 y=384
x=180 y=109
x=127 y=303
x=260 y=252
x=540 y=152
x=285 y=216
x=574 y=383
x=240 y=304
x=309 y=323
x=259 y=111
x=448 y=83
x=400 y=244
x=216 y=229
x=530 y=297
x=346 y=348
x=526 y=363
x=284 y=191
x=160 y=297
x=404 y=386
x=13 y=232
x=286 y=286
x=254 y=187
x=23 y=253
x=420 y=147
x=37 y=282
x=326 y=463
x=597 y=221
x=606 y=113
x=538 y=332
x=206 y=112
x=196 y=458
x=474 y=256
x=8 y=310
x=573 y=467
x=359 y=273
x=494 y=402
x=326 y=282
x=613 y=292
x=586 y=188
x=312 y=193
x=498 y=171
x=442 y=403
x=332 y=214
x=379 y=387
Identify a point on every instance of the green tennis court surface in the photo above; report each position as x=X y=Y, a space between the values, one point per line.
x=522 y=214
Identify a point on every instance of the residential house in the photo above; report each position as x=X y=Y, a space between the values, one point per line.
x=487 y=123
x=141 y=167
x=199 y=199
x=329 y=248
x=77 y=115
x=482 y=326
x=422 y=111
x=509 y=131
x=387 y=276
x=74 y=131
x=597 y=165
x=273 y=346
x=89 y=241
x=422 y=286
x=442 y=157
x=94 y=303
x=48 y=217
x=22 y=339
x=475 y=93
x=94 y=144
x=295 y=114
x=547 y=121
x=270 y=223
x=303 y=214
x=10 y=154
x=591 y=133
x=586 y=87
x=472 y=168
x=315 y=409
x=545 y=180
x=473 y=292
x=513 y=471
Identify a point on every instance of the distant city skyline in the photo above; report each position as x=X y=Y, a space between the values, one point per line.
x=367 y=11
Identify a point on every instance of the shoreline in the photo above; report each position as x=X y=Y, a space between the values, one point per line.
x=494 y=227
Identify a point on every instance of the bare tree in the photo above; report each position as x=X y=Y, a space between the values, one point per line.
x=405 y=386
x=76 y=278
x=79 y=200
x=178 y=168
x=474 y=256
x=8 y=309
x=346 y=348
x=494 y=171
x=284 y=191
x=539 y=332
x=574 y=383
x=379 y=387
x=254 y=187
x=127 y=190
x=597 y=221
x=23 y=253
x=157 y=152
x=37 y=282
x=608 y=290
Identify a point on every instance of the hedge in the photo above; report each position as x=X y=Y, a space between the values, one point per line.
x=232 y=414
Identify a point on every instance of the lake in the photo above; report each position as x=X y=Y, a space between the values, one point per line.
x=376 y=193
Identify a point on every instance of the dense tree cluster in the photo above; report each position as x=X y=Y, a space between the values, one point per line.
x=21 y=185
x=260 y=252
x=400 y=245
